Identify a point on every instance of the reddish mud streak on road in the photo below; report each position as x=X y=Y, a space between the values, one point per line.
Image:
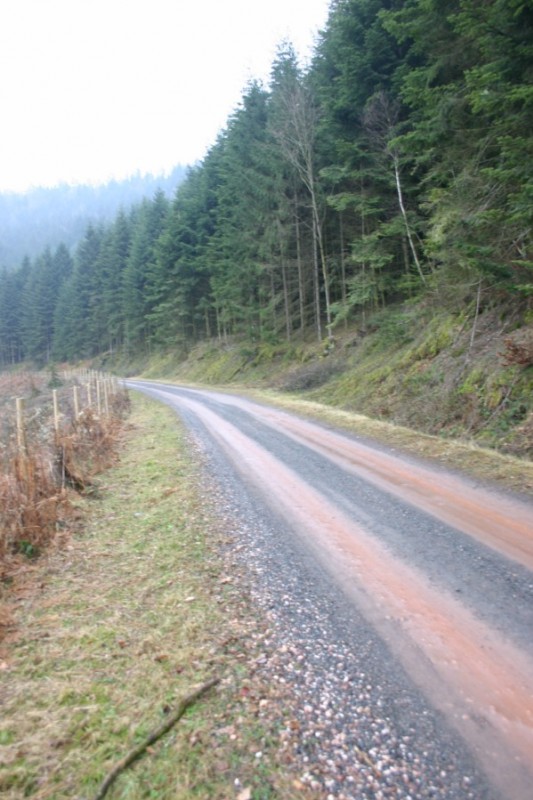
x=501 y=523
x=473 y=673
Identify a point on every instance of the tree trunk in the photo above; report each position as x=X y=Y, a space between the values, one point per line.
x=316 y=283
x=343 y=267
x=318 y=234
x=285 y=283
x=301 y=280
x=404 y=216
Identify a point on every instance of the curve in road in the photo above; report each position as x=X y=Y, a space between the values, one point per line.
x=469 y=650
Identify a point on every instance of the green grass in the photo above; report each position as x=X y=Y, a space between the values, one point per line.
x=135 y=612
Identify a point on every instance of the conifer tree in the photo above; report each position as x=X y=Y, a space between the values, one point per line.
x=139 y=272
x=11 y=292
x=74 y=312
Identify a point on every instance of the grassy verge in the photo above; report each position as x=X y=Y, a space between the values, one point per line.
x=113 y=630
x=505 y=471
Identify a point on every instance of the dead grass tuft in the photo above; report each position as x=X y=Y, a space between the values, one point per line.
x=86 y=446
x=35 y=478
x=518 y=348
x=29 y=505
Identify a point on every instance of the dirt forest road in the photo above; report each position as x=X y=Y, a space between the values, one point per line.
x=406 y=591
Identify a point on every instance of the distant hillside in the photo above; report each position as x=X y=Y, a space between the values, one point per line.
x=39 y=218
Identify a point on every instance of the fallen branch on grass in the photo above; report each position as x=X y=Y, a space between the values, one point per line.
x=184 y=704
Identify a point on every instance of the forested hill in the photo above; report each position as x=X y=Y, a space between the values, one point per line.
x=396 y=171
x=46 y=217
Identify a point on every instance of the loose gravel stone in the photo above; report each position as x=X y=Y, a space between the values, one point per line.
x=351 y=724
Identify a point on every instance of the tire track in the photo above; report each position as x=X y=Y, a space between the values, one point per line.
x=483 y=684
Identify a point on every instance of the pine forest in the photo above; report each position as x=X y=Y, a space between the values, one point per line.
x=396 y=166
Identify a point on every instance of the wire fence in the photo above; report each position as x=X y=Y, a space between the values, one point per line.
x=55 y=437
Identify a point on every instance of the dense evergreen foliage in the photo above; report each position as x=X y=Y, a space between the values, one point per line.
x=399 y=164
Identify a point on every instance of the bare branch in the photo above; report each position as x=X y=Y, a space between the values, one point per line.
x=169 y=723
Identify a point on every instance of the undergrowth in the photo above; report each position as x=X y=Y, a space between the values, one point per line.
x=38 y=470
x=432 y=370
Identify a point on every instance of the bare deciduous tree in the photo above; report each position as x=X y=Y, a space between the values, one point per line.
x=381 y=120
x=295 y=133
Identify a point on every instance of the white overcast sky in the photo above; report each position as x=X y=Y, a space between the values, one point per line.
x=94 y=89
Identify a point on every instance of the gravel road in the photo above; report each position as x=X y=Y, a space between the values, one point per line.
x=399 y=603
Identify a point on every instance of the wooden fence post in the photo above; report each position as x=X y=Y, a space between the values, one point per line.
x=56 y=410
x=76 y=402
x=106 y=397
x=21 y=429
